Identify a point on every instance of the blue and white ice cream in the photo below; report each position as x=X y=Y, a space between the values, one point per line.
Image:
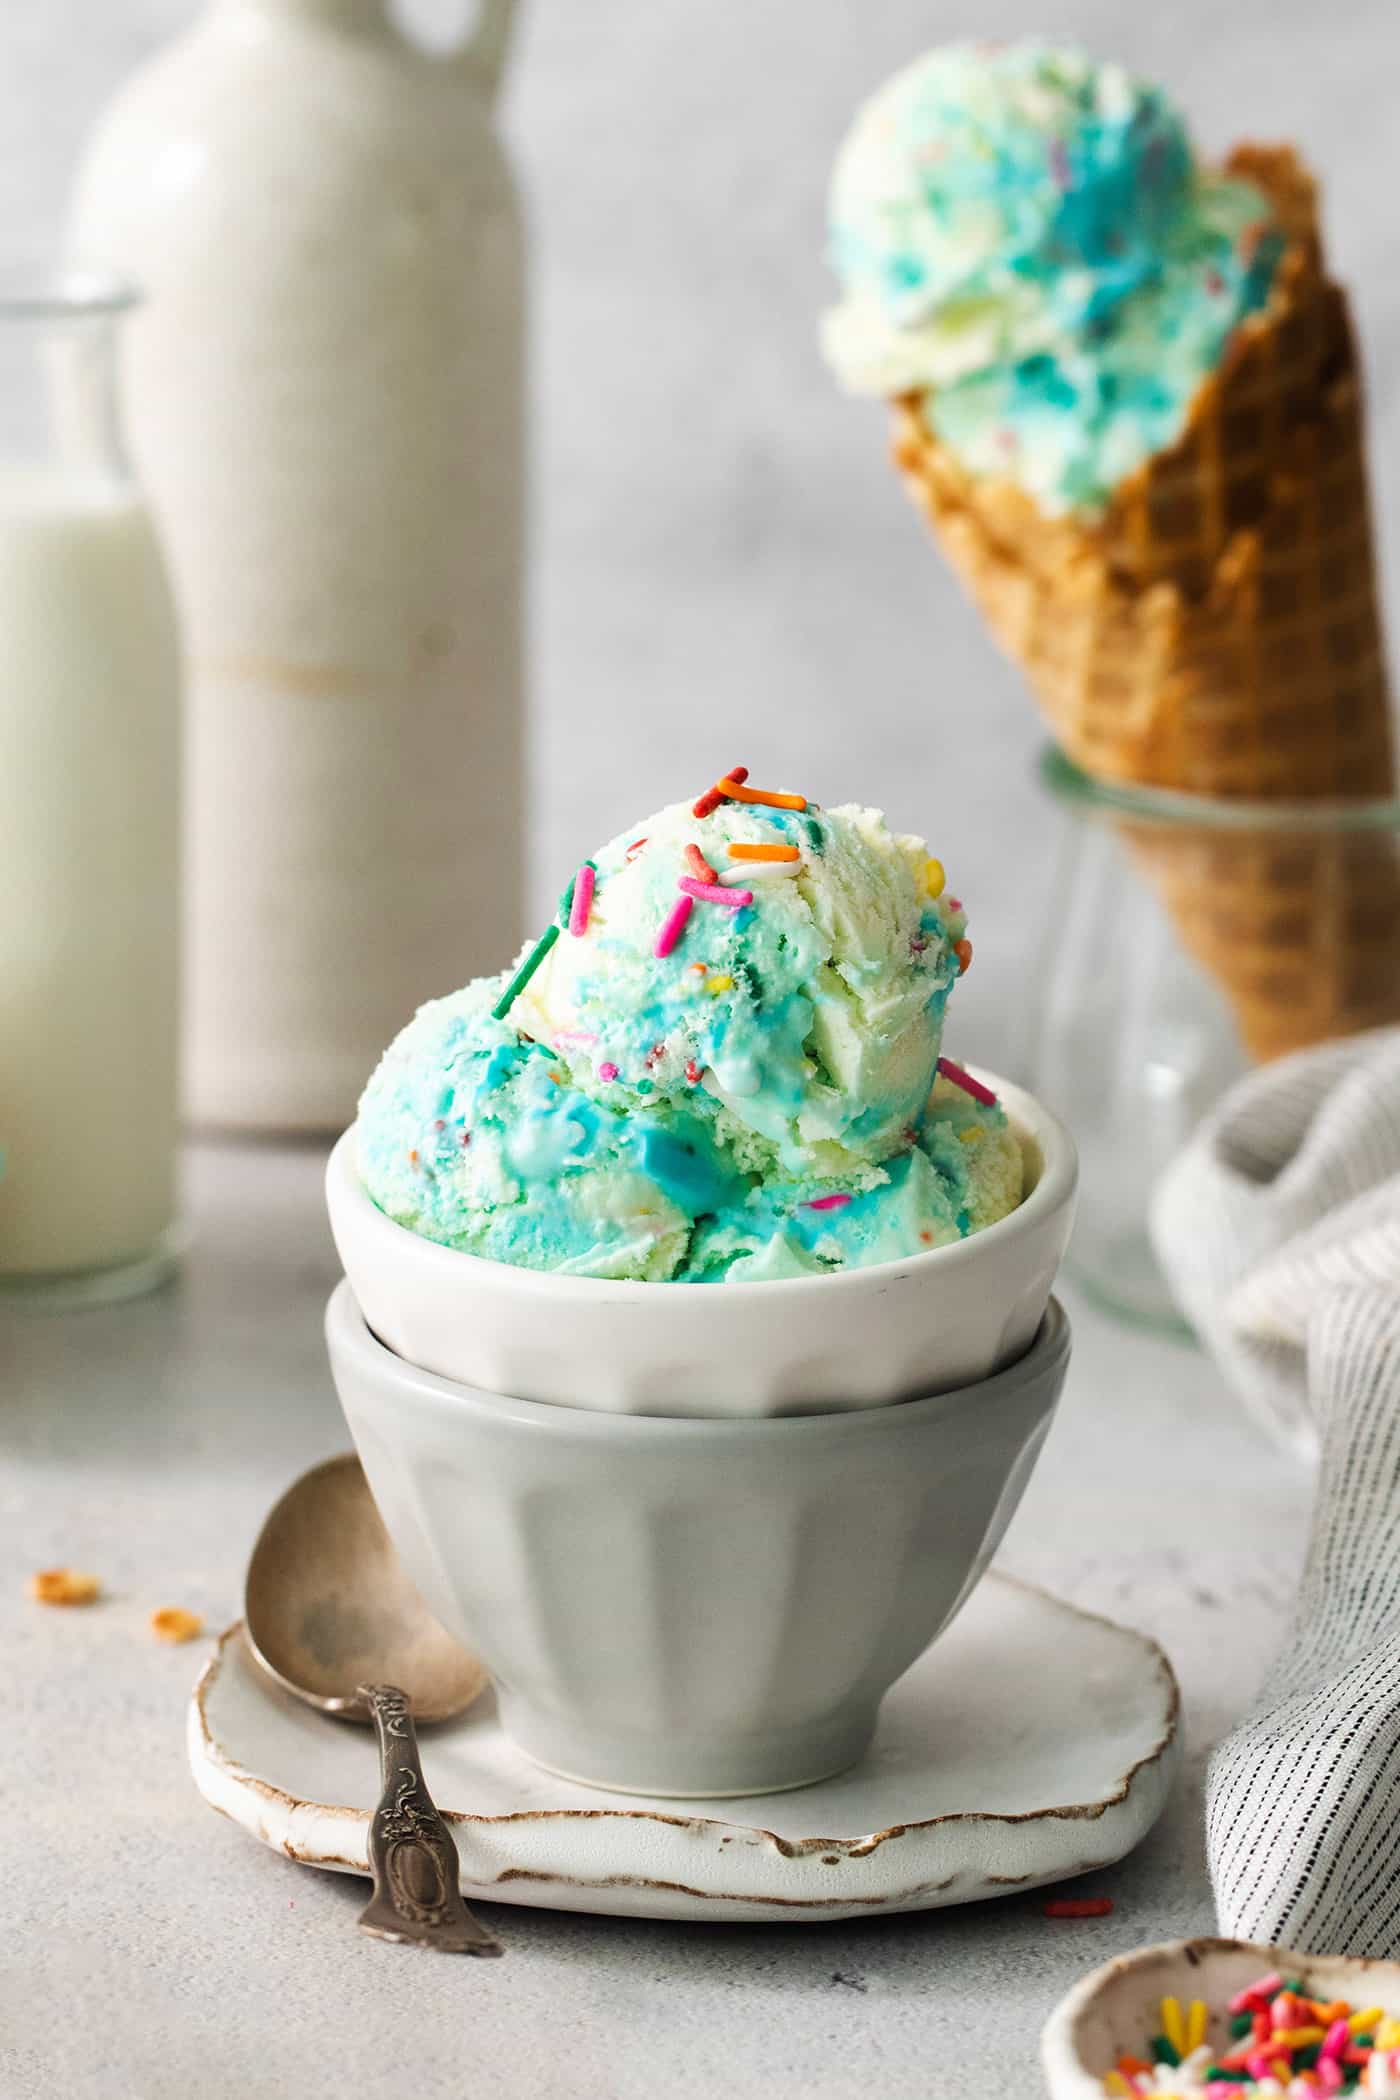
x=757 y=1101
x=1026 y=238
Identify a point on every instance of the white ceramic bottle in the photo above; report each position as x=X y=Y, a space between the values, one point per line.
x=89 y=784
x=324 y=394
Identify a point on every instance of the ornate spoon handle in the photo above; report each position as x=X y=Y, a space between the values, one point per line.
x=411 y=1852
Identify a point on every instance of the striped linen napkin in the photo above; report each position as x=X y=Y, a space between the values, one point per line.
x=1279 y=1228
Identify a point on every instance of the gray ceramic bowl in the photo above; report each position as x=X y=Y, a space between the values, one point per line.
x=684 y=1607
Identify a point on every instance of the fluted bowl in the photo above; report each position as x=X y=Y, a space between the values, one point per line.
x=682 y=1607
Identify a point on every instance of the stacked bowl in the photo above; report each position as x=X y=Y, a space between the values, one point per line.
x=696 y=1532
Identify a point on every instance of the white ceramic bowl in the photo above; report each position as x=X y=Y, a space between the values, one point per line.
x=1113 y=2011
x=858 y=1338
x=683 y=1607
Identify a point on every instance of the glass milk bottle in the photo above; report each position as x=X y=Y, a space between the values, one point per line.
x=324 y=396
x=89 y=753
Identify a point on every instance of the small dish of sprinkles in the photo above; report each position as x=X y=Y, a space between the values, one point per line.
x=1273 y=2039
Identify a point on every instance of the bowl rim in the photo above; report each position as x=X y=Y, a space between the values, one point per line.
x=1054 y=1187
x=348 y=1331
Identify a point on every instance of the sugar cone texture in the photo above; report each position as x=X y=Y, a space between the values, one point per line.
x=1300 y=927
x=1217 y=631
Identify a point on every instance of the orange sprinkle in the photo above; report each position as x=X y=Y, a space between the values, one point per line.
x=413 y=1158
x=963 y=951
x=701 y=969
x=763 y=853
x=699 y=865
x=731 y=790
x=1132 y=2066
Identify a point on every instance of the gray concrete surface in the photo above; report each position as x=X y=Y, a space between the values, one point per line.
x=151 y=1951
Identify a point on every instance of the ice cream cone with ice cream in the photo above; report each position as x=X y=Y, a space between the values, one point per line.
x=1126 y=397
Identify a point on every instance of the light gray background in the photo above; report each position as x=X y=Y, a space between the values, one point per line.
x=724 y=567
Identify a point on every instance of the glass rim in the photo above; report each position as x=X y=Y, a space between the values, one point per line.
x=1073 y=787
x=38 y=291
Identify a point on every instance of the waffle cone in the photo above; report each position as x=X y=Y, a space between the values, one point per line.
x=1218 y=632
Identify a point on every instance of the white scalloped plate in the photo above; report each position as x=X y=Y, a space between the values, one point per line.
x=1032 y=1742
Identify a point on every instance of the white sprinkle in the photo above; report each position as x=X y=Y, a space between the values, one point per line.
x=745 y=872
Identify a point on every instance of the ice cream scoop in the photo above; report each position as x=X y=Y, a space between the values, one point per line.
x=1027 y=236
x=474 y=1135
x=800 y=1003
x=717 y=1062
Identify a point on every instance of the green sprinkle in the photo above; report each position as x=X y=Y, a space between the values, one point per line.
x=526 y=971
x=1306 y=2059
x=566 y=900
x=1162 y=2050
x=1363 y=2041
x=1241 y=2025
x=1298 y=1987
x=814 y=831
x=1217 y=2076
x=643 y=1086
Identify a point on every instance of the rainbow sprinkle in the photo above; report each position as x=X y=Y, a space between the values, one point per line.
x=761 y=871
x=526 y=971
x=834 y=1202
x=966 y=1081
x=710 y=801
x=731 y=789
x=1274 y=2039
x=673 y=926
x=739 y=851
x=712 y=893
x=608 y=1071
x=582 y=899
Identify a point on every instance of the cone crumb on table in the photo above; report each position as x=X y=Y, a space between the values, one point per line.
x=1127 y=398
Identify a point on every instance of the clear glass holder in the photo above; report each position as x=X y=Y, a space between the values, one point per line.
x=1183 y=939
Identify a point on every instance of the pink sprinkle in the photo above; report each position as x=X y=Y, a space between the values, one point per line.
x=953 y=903
x=574 y=1035
x=1338 y=2037
x=1256 y=1998
x=673 y=926
x=712 y=893
x=583 y=899
x=1331 y=2074
x=608 y=1070
x=978 y=1092
x=827 y=1202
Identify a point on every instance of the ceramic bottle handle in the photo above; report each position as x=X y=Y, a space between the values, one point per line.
x=411 y=1851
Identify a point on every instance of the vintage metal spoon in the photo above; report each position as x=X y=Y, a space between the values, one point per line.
x=330 y=1614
